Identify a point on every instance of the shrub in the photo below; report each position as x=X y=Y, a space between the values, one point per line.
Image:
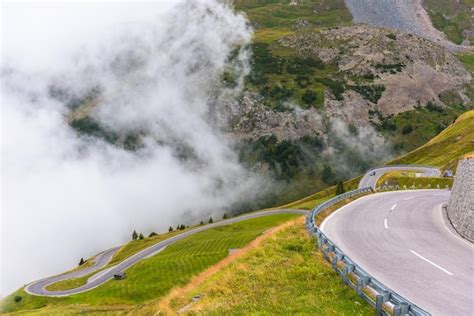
x=88 y=126
x=277 y=92
x=309 y=97
x=372 y=93
x=17 y=298
x=337 y=87
x=392 y=68
x=302 y=81
x=264 y=62
x=434 y=108
x=328 y=175
x=303 y=66
x=388 y=125
x=152 y=234
x=340 y=188
x=407 y=129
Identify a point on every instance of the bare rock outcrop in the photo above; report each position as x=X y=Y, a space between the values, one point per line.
x=413 y=70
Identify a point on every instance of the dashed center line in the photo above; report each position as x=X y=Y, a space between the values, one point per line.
x=393 y=207
x=431 y=262
x=385 y=223
x=412 y=197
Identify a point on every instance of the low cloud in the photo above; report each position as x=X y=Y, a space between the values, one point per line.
x=67 y=195
x=353 y=149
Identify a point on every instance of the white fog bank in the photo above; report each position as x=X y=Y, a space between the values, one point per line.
x=152 y=69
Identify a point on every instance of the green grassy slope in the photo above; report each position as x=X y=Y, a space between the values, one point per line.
x=409 y=180
x=271 y=14
x=285 y=275
x=155 y=276
x=124 y=252
x=446 y=148
x=452 y=18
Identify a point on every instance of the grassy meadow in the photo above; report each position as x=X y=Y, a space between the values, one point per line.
x=286 y=275
x=410 y=181
x=447 y=147
x=155 y=276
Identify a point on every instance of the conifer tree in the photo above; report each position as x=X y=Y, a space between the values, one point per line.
x=340 y=188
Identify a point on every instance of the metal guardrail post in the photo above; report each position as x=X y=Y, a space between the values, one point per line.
x=336 y=258
x=345 y=273
x=378 y=305
x=397 y=311
x=327 y=251
x=361 y=283
x=404 y=308
x=379 y=300
x=320 y=242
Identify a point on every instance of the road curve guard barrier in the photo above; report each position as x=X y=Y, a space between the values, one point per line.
x=385 y=301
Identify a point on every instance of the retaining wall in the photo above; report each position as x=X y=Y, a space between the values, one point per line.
x=461 y=203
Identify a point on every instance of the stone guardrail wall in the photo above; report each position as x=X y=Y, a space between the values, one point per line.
x=385 y=301
x=461 y=203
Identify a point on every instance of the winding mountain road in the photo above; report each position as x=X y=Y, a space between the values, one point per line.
x=39 y=287
x=371 y=177
x=403 y=239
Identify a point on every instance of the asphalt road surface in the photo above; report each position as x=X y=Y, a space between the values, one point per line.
x=372 y=176
x=38 y=287
x=403 y=239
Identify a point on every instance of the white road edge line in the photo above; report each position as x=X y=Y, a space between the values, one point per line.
x=385 y=223
x=430 y=262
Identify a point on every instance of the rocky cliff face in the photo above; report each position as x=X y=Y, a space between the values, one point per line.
x=379 y=72
x=408 y=16
x=413 y=70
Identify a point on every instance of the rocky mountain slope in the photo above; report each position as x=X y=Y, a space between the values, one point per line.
x=376 y=73
x=453 y=18
x=324 y=92
x=408 y=16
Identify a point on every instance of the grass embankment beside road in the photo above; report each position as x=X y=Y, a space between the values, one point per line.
x=126 y=251
x=311 y=201
x=155 y=276
x=447 y=147
x=409 y=180
x=284 y=275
